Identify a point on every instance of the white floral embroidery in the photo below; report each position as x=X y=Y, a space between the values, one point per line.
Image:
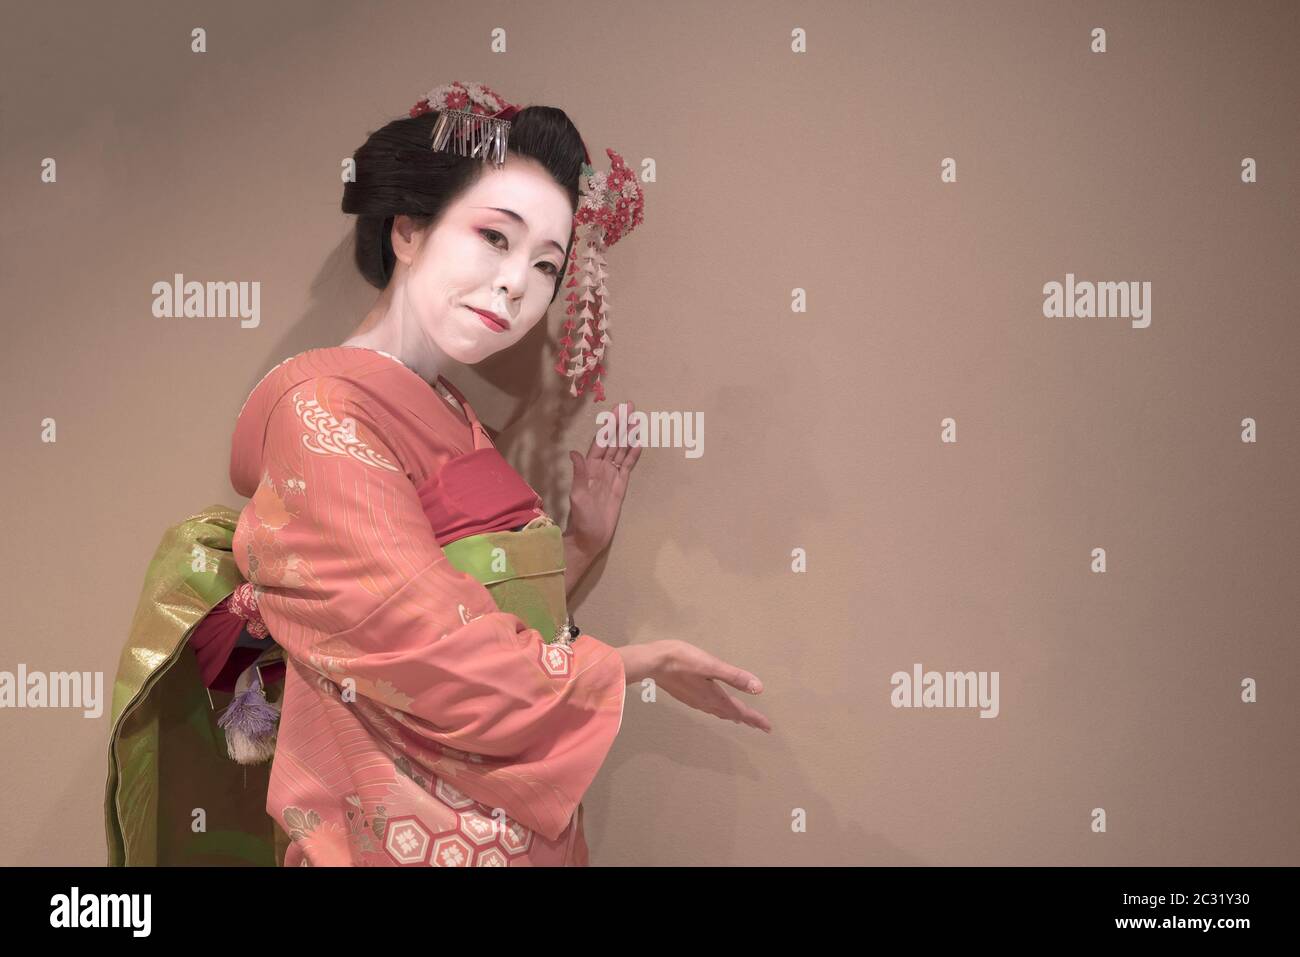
x=326 y=435
x=465 y=616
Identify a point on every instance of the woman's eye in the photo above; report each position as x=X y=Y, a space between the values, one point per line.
x=550 y=268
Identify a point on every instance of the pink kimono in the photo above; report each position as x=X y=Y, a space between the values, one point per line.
x=411 y=701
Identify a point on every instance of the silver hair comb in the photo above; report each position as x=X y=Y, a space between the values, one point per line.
x=471 y=135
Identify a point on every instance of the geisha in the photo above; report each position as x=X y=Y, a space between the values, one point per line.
x=388 y=612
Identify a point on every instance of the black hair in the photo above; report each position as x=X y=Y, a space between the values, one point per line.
x=397 y=173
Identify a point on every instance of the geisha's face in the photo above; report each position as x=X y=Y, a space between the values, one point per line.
x=478 y=257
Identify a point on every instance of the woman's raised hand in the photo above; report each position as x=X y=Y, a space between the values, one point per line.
x=695 y=678
x=599 y=487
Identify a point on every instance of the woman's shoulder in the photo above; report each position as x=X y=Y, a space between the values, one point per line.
x=341 y=362
x=356 y=371
x=335 y=388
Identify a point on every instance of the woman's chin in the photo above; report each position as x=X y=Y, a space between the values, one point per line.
x=469 y=346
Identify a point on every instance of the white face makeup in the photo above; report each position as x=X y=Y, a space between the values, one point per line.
x=480 y=258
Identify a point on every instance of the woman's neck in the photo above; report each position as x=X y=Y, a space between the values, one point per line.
x=386 y=329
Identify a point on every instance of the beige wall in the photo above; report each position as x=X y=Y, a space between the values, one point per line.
x=776 y=170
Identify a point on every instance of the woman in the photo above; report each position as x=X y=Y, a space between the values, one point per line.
x=437 y=709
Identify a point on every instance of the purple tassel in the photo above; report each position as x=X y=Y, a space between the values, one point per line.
x=250 y=723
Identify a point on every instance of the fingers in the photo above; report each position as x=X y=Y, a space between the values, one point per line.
x=737 y=678
x=597 y=452
x=699 y=661
x=738 y=711
x=619 y=453
x=579 y=466
x=625 y=457
x=689 y=663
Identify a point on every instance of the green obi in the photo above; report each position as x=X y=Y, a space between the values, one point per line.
x=523 y=570
x=168 y=767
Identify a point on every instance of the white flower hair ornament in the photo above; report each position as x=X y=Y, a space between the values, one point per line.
x=474 y=122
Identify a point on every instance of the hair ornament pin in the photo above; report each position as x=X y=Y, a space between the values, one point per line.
x=474 y=121
x=612 y=205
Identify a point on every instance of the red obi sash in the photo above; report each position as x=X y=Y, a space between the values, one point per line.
x=215 y=641
x=475 y=493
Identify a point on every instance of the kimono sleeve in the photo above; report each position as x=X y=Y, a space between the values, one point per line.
x=353 y=585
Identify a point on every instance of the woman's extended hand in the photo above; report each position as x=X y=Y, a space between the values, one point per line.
x=694 y=677
x=596 y=498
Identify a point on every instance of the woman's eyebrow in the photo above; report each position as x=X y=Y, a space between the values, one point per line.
x=519 y=219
